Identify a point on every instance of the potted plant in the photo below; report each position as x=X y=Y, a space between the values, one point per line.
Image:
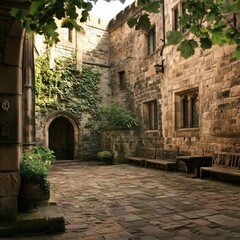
x=105 y=156
x=34 y=169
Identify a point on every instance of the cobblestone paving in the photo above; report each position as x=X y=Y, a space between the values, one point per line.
x=121 y=202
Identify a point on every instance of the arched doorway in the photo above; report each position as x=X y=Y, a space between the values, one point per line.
x=61 y=138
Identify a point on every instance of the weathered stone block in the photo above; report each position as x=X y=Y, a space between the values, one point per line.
x=10 y=80
x=10 y=183
x=235 y=91
x=13 y=48
x=10 y=156
x=235 y=81
x=10 y=120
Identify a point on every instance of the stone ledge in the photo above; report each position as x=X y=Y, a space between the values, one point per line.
x=48 y=219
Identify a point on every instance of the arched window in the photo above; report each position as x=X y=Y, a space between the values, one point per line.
x=187 y=110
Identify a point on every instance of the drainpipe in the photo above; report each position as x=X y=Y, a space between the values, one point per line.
x=163 y=28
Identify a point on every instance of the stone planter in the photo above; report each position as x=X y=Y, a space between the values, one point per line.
x=108 y=160
x=31 y=193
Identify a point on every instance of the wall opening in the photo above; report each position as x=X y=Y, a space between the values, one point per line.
x=61 y=138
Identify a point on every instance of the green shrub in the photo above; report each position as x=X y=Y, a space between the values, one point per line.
x=45 y=154
x=32 y=168
x=35 y=165
x=117 y=116
x=112 y=116
x=104 y=154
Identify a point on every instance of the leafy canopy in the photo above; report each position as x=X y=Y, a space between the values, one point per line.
x=209 y=22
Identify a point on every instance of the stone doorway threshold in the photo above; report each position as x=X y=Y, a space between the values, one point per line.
x=47 y=219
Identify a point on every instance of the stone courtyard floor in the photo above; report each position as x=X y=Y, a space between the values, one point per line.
x=118 y=202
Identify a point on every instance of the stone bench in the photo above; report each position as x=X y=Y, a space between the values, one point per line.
x=164 y=157
x=142 y=154
x=223 y=163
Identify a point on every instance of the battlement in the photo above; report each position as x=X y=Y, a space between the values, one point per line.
x=97 y=22
x=123 y=16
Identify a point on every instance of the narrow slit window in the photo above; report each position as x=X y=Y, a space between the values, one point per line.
x=185 y=112
x=151 y=38
x=151 y=115
x=175 y=19
x=195 y=111
x=122 y=83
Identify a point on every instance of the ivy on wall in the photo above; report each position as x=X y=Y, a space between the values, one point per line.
x=61 y=88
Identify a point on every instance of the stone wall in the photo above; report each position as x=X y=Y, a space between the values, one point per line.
x=115 y=47
x=122 y=143
x=86 y=144
x=213 y=72
x=92 y=47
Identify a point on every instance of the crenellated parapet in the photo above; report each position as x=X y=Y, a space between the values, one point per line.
x=123 y=16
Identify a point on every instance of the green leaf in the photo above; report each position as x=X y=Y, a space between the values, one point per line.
x=195 y=30
x=60 y=11
x=220 y=24
x=209 y=3
x=213 y=16
x=174 y=38
x=225 y=7
x=187 y=48
x=152 y=7
x=34 y=8
x=17 y=13
x=206 y=43
x=85 y=15
x=132 y=22
x=87 y=6
x=236 y=53
x=235 y=7
x=144 y=23
x=219 y=37
x=184 y=19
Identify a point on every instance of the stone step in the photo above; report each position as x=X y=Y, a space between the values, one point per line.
x=47 y=219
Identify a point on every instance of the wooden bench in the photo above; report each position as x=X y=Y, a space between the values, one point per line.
x=142 y=154
x=193 y=163
x=164 y=157
x=223 y=163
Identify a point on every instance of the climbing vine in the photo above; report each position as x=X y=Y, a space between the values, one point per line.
x=61 y=88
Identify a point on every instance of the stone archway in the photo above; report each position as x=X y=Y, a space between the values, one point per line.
x=61 y=138
x=11 y=69
x=62 y=133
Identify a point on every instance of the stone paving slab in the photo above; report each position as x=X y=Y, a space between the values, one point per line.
x=118 y=202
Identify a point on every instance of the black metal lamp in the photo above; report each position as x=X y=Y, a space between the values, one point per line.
x=159 y=67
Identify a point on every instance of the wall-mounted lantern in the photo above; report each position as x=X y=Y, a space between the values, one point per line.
x=159 y=67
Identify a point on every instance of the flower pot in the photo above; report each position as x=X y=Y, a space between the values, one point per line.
x=108 y=160
x=31 y=192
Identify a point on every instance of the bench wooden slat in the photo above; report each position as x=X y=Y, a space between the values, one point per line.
x=142 y=154
x=164 y=157
x=224 y=163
